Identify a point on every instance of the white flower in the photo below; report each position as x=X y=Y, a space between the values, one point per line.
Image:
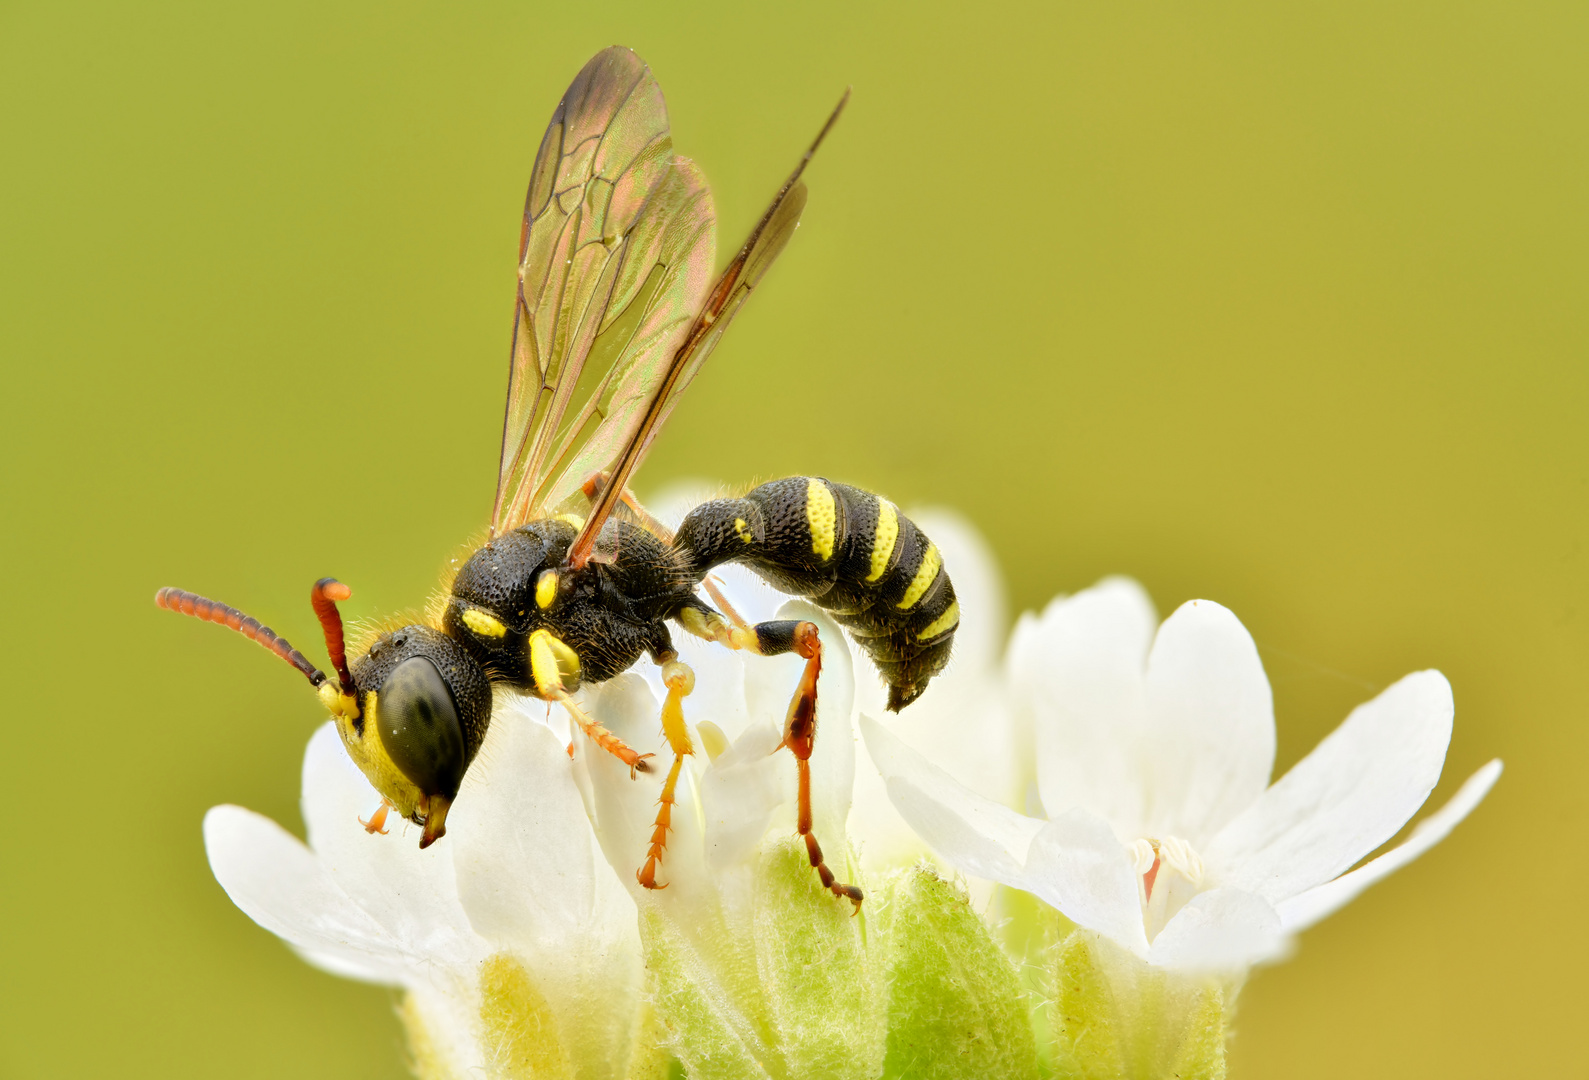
x=516 y=943
x=738 y=788
x=728 y=940
x=965 y=719
x=1153 y=761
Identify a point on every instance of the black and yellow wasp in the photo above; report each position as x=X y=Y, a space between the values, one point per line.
x=577 y=580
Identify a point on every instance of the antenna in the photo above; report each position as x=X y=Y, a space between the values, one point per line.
x=323 y=597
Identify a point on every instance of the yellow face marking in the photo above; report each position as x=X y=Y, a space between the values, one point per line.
x=883 y=538
x=546 y=589
x=822 y=516
x=553 y=664
x=369 y=754
x=948 y=620
x=741 y=531
x=926 y=574
x=483 y=624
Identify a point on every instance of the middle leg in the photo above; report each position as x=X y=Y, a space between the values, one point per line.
x=680 y=680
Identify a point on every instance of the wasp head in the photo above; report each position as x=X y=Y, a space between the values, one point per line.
x=418 y=715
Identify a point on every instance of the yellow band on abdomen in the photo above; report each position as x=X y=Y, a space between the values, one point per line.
x=822 y=516
x=883 y=538
x=947 y=621
x=926 y=574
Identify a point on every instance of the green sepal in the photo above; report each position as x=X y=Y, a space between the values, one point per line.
x=517 y=1024
x=956 y=1008
x=778 y=986
x=1112 y=1016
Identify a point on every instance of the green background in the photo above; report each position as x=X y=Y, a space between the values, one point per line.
x=1277 y=304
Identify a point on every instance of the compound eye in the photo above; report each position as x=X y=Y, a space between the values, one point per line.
x=419 y=727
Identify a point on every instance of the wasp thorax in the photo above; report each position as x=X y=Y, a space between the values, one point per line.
x=424 y=705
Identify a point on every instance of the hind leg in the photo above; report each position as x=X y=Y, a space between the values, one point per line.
x=800 y=725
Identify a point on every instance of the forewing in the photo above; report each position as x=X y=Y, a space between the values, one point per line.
x=603 y=198
x=660 y=288
x=732 y=288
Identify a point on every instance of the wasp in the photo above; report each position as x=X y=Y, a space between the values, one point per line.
x=577 y=581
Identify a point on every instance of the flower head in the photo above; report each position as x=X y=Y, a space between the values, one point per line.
x=513 y=938
x=1153 y=756
x=758 y=971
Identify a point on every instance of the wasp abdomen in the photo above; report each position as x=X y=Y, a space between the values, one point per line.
x=849 y=552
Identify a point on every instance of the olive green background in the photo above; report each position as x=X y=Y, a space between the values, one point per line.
x=1281 y=305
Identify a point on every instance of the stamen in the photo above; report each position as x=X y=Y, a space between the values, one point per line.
x=1169 y=875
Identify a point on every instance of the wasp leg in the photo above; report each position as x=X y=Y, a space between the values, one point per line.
x=800 y=726
x=714 y=590
x=377 y=822
x=548 y=659
x=606 y=739
x=680 y=680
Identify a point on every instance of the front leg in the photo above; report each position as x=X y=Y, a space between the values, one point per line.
x=554 y=668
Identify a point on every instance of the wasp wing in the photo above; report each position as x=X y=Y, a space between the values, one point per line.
x=732 y=288
x=614 y=258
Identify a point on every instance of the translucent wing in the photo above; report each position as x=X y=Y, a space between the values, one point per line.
x=727 y=296
x=614 y=260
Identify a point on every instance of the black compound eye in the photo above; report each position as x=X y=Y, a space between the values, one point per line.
x=419 y=727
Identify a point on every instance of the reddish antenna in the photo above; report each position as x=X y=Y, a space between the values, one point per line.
x=324 y=595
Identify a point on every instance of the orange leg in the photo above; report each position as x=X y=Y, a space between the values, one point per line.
x=555 y=670
x=377 y=822
x=800 y=728
x=680 y=681
x=800 y=736
x=606 y=739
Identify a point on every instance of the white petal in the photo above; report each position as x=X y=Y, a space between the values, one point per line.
x=529 y=872
x=1079 y=668
x=970 y=732
x=1302 y=911
x=413 y=894
x=625 y=807
x=963 y=722
x=1210 y=740
x=1078 y=866
x=278 y=883
x=742 y=791
x=1351 y=794
x=532 y=879
x=1222 y=930
x=974 y=833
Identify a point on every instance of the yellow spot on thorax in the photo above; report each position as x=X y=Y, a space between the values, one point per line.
x=546 y=589
x=947 y=621
x=883 y=538
x=572 y=519
x=926 y=574
x=822 y=516
x=483 y=624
